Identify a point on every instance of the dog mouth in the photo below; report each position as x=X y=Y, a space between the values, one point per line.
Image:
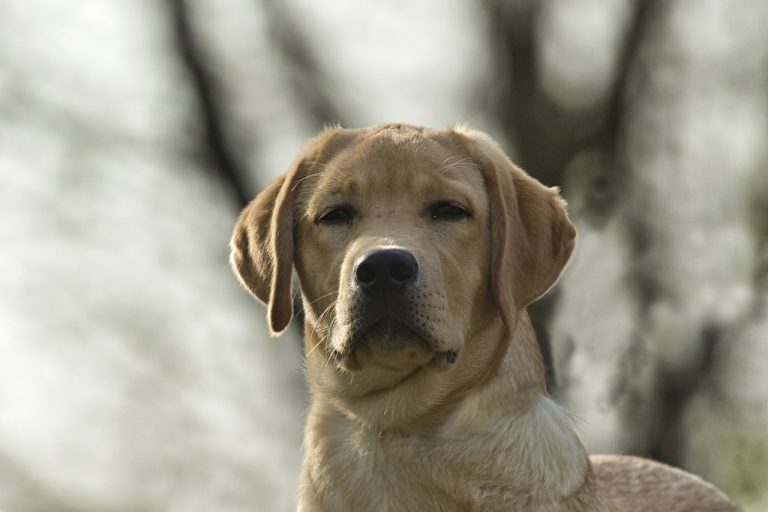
x=392 y=342
x=390 y=334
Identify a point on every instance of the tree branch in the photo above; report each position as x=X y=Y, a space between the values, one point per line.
x=547 y=136
x=217 y=148
x=308 y=84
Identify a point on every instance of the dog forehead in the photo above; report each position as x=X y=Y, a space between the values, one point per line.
x=389 y=164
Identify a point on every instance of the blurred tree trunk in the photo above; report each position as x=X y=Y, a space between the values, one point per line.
x=310 y=86
x=634 y=330
x=548 y=137
x=216 y=147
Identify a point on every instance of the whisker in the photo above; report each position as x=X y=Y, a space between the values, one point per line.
x=322 y=297
x=315 y=346
x=325 y=333
x=326 y=311
x=458 y=164
x=389 y=398
x=304 y=178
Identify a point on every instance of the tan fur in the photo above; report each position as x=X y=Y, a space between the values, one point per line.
x=394 y=425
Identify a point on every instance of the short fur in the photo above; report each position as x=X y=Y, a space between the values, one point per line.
x=446 y=409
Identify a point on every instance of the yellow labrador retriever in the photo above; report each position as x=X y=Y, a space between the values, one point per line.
x=417 y=252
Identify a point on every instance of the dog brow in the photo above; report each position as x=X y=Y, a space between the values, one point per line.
x=324 y=197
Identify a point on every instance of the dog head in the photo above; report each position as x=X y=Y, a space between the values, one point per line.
x=416 y=251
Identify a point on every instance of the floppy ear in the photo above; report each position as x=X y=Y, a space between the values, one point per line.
x=531 y=235
x=262 y=242
x=262 y=251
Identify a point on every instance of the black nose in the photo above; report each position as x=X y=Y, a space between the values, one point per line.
x=386 y=269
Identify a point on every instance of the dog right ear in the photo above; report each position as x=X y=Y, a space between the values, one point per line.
x=262 y=242
x=262 y=254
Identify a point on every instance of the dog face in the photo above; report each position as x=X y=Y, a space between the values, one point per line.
x=392 y=252
x=415 y=251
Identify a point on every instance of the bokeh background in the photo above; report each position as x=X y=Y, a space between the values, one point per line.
x=135 y=374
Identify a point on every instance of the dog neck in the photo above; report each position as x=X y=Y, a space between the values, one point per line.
x=503 y=444
x=519 y=362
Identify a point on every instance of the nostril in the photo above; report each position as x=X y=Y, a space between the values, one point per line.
x=385 y=269
x=401 y=272
x=365 y=274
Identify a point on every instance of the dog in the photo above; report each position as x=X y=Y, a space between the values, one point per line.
x=417 y=252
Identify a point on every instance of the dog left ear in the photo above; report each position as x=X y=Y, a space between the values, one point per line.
x=546 y=234
x=532 y=237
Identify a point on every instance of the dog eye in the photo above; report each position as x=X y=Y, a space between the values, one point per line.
x=448 y=211
x=338 y=215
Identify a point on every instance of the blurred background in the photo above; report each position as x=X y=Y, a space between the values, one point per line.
x=136 y=375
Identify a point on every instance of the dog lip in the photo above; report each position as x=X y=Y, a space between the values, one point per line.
x=392 y=324
x=396 y=329
x=384 y=333
x=387 y=333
